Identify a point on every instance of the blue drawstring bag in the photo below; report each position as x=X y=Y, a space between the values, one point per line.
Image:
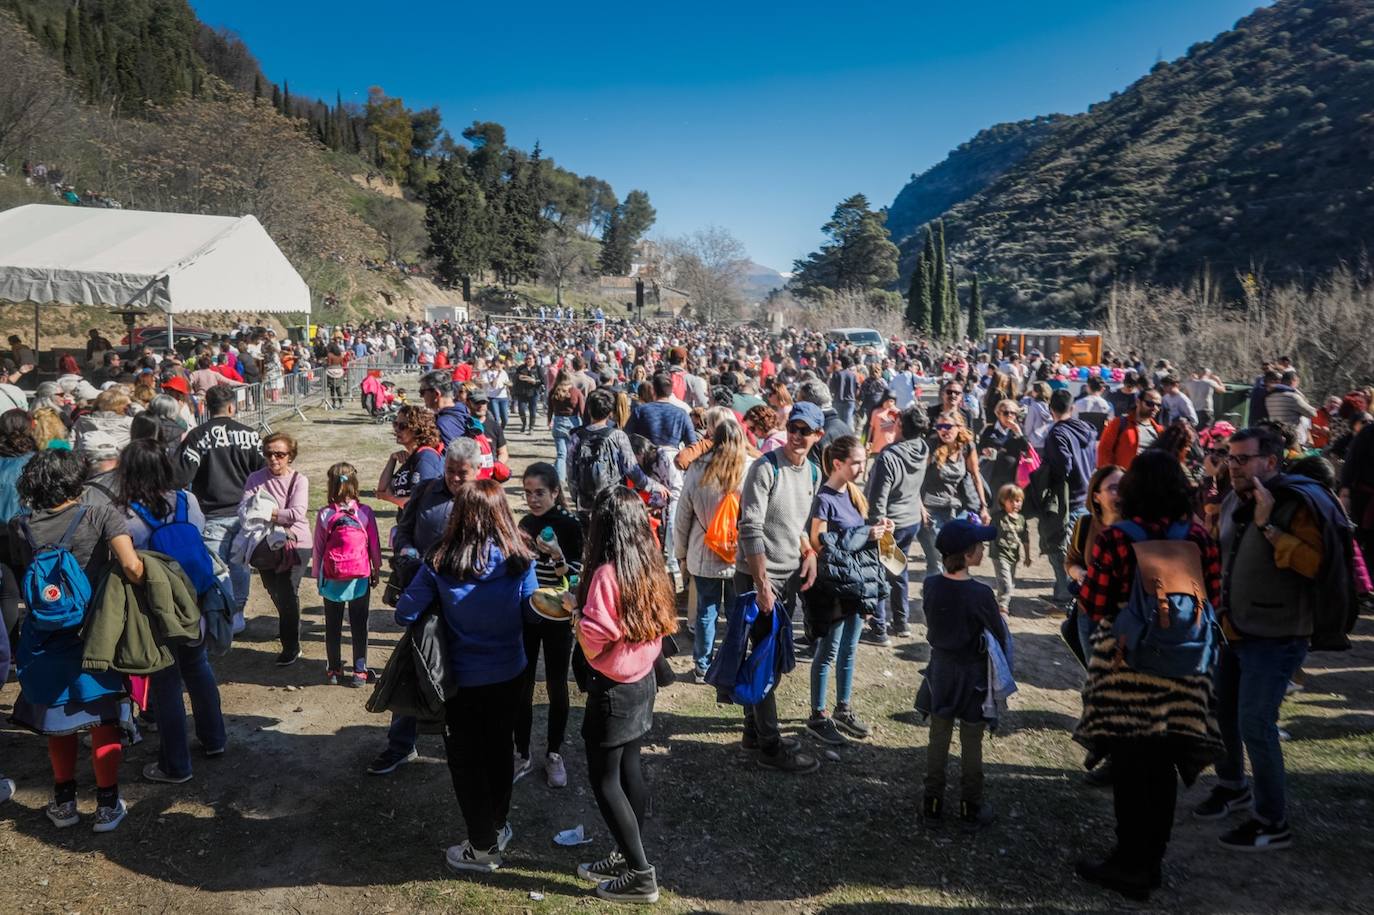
x=758 y=674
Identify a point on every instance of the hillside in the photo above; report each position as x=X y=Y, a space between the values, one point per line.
x=966 y=171
x=1253 y=152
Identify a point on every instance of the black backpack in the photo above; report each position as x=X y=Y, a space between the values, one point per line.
x=597 y=466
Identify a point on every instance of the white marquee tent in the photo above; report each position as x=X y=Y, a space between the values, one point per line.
x=175 y=262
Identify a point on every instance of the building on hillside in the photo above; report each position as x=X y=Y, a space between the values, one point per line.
x=648 y=260
x=660 y=299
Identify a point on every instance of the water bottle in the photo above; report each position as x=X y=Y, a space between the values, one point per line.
x=546 y=535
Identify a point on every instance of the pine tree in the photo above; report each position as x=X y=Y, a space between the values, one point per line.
x=73 y=54
x=615 y=247
x=456 y=220
x=976 y=325
x=918 y=298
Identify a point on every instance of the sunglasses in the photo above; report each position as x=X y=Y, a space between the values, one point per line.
x=944 y=427
x=955 y=393
x=1153 y=404
x=798 y=429
x=276 y=454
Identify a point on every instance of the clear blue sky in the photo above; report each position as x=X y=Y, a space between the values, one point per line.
x=756 y=117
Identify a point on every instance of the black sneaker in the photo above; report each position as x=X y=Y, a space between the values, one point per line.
x=750 y=741
x=1100 y=776
x=824 y=730
x=390 y=760
x=608 y=868
x=875 y=636
x=932 y=808
x=698 y=676
x=631 y=886
x=288 y=657
x=1256 y=836
x=851 y=724
x=792 y=762
x=979 y=814
x=1131 y=882
x=1222 y=802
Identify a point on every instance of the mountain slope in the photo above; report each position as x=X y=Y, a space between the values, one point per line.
x=966 y=171
x=1255 y=151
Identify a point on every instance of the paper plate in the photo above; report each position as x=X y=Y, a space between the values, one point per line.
x=548 y=603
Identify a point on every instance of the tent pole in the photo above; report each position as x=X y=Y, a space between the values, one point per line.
x=36 y=357
x=171 y=336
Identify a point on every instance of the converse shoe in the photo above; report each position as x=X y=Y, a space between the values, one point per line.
x=523 y=766
x=107 y=819
x=555 y=773
x=631 y=886
x=1222 y=802
x=466 y=858
x=851 y=724
x=823 y=729
x=63 y=814
x=608 y=868
x=1256 y=836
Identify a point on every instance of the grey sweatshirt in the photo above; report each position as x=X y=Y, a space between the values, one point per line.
x=773 y=523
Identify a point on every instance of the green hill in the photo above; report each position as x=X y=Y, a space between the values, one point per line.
x=1252 y=153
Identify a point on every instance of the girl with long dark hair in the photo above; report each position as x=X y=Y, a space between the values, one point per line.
x=146 y=486
x=557 y=539
x=481 y=574
x=625 y=607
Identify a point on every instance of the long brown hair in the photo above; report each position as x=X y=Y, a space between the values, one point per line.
x=620 y=535
x=944 y=453
x=840 y=450
x=479 y=520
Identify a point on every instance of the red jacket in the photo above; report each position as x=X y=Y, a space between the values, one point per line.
x=1121 y=441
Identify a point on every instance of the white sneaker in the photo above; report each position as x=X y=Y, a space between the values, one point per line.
x=107 y=819
x=503 y=836
x=555 y=772
x=466 y=858
x=6 y=789
x=523 y=767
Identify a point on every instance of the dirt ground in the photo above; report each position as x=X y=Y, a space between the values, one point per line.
x=288 y=821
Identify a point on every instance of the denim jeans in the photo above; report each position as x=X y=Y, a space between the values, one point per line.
x=1004 y=570
x=836 y=649
x=528 y=409
x=845 y=410
x=562 y=431
x=762 y=720
x=1055 y=549
x=939 y=517
x=500 y=410
x=711 y=594
x=1251 y=678
x=219 y=537
x=192 y=669
x=403 y=733
x=898 y=607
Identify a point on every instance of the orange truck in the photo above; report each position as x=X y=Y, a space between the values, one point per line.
x=1076 y=347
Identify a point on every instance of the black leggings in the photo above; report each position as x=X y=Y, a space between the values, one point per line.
x=618 y=783
x=557 y=639
x=477 y=737
x=1145 y=789
x=357 y=629
x=284 y=589
x=9 y=599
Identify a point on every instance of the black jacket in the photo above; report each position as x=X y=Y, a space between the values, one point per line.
x=850 y=578
x=216 y=459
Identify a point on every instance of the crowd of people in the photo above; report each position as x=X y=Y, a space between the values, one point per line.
x=779 y=481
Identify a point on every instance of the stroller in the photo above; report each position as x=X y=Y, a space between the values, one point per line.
x=378 y=400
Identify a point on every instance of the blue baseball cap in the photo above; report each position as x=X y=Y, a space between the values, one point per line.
x=807 y=412
x=959 y=536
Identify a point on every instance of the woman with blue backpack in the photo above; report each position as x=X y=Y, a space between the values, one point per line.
x=347 y=564
x=1147 y=703
x=61 y=547
x=168 y=520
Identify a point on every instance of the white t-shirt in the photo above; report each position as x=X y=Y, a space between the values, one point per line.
x=12 y=398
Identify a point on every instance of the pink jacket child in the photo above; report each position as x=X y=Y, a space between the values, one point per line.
x=347 y=545
x=602 y=639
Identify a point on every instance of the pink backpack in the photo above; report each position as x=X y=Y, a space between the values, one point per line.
x=346 y=552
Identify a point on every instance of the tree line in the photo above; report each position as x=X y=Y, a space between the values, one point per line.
x=859 y=261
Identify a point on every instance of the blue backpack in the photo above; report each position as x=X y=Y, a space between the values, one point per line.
x=180 y=539
x=55 y=586
x=1167 y=626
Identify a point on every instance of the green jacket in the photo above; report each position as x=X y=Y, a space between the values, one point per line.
x=127 y=627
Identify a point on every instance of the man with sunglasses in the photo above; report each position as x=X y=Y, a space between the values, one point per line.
x=1274 y=538
x=775 y=560
x=438 y=391
x=1131 y=433
x=951 y=398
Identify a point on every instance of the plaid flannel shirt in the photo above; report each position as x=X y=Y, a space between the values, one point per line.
x=1111 y=569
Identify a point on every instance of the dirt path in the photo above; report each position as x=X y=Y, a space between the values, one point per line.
x=287 y=821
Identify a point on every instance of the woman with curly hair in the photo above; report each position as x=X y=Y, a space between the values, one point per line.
x=950 y=489
x=763 y=423
x=417 y=459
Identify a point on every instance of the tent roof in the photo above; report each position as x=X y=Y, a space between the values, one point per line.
x=175 y=262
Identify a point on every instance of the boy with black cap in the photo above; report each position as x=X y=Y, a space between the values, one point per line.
x=958 y=610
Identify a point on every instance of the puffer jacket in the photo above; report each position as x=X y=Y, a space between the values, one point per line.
x=849 y=577
x=128 y=626
x=415 y=681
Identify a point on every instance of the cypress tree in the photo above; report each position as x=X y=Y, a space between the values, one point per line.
x=940 y=292
x=73 y=54
x=918 y=298
x=455 y=220
x=976 y=325
x=952 y=312
x=935 y=266
x=257 y=87
x=286 y=98
x=276 y=97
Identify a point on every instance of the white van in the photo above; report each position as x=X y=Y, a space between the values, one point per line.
x=858 y=336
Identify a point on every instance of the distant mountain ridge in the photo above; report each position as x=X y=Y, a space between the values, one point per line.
x=1253 y=152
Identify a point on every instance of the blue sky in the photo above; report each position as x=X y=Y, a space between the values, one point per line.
x=755 y=117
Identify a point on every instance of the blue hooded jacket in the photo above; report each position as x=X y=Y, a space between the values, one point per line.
x=484 y=618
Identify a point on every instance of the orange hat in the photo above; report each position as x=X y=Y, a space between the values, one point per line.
x=176 y=383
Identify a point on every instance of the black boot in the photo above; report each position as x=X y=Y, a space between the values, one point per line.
x=932 y=808
x=1133 y=882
